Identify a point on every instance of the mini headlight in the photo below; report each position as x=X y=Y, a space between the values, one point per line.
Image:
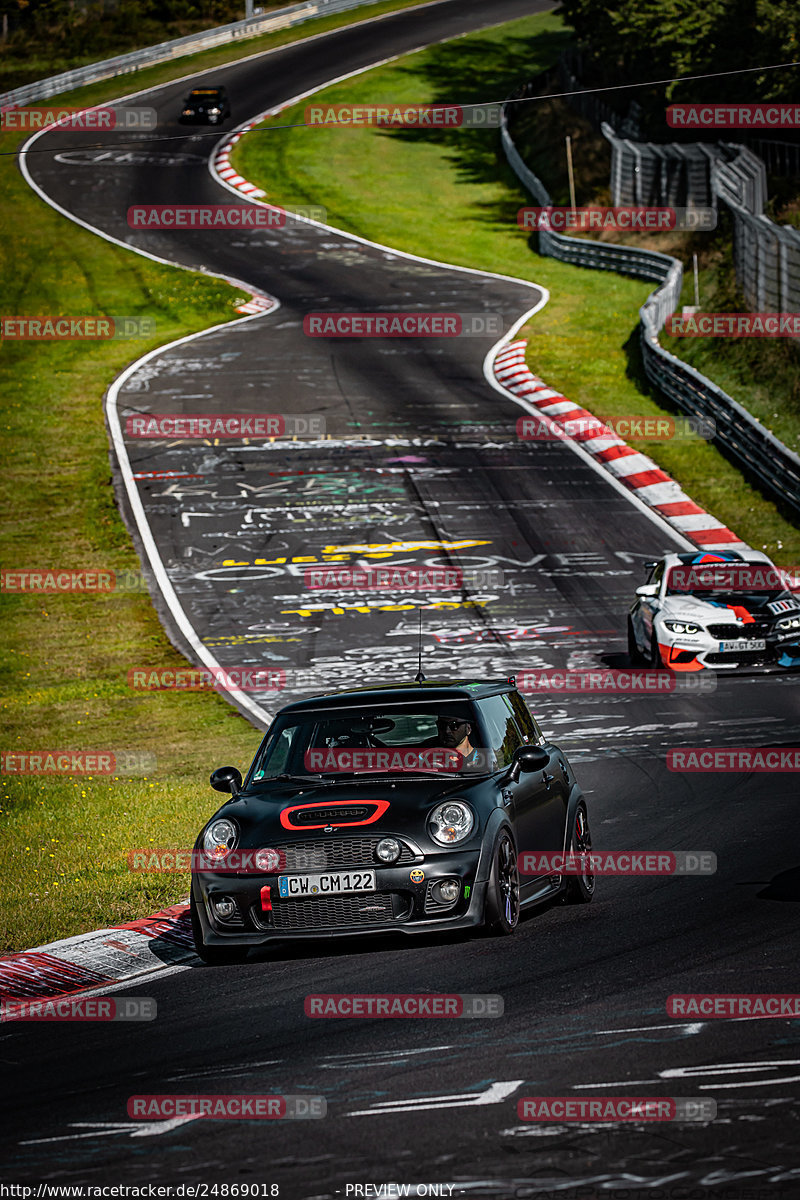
x=214 y=112
x=220 y=838
x=788 y=623
x=682 y=627
x=388 y=850
x=450 y=822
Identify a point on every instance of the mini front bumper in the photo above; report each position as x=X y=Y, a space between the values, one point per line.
x=398 y=904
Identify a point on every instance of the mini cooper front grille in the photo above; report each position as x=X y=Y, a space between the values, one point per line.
x=334 y=852
x=319 y=816
x=334 y=912
x=735 y=631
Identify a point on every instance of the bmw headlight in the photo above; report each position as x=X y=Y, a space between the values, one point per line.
x=451 y=822
x=788 y=623
x=220 y=838
x=682 y=627
x=214 y=112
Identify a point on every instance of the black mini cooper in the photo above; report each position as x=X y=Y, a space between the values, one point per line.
x=405 y=807
x=206 y=105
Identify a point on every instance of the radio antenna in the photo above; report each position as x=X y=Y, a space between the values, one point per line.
x=419 y=677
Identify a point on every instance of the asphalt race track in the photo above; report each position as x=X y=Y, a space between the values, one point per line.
x=420 y=465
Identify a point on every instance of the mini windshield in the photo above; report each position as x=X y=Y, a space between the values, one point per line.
x=437 y=739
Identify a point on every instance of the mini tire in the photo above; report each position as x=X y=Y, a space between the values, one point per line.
x=580 y=888
x=502 y=904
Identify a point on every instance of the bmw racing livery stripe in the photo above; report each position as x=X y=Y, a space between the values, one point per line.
x=642 y=476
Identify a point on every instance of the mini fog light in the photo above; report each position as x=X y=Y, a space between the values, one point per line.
x=224 y=907
x=388 y=850
x=447 y=890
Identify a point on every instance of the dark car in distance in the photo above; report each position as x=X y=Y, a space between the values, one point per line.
x=206 y=105
x=402 y=807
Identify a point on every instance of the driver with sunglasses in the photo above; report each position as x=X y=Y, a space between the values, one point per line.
x=453 y=734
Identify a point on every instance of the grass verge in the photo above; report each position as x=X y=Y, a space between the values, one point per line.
x=449 y=195
x=64 y=658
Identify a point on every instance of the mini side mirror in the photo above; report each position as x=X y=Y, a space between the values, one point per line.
x=227 y=779
x=527 y=758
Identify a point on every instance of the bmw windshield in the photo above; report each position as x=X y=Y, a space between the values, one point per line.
x=725 y=579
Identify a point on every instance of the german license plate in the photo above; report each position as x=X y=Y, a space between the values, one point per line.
x=333 y=884
x=743 y=644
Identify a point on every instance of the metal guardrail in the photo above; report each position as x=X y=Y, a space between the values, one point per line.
x=754 y=448
x=137 y=60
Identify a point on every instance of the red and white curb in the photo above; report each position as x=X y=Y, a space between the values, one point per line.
x=633 y=470
x=95 y=961
x=222 y=165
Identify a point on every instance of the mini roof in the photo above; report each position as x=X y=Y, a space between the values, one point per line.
x=399 y=693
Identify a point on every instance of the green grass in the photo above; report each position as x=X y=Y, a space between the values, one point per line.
x=449 y=195
x=64 y=658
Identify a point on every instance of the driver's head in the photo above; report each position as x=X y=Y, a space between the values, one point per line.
x=452 y=729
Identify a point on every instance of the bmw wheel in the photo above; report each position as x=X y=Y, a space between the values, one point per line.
x=635 y=656
x=213 y=956
x=580 y=888
x=501 y=911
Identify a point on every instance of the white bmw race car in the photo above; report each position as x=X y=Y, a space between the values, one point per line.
x=717 y=610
